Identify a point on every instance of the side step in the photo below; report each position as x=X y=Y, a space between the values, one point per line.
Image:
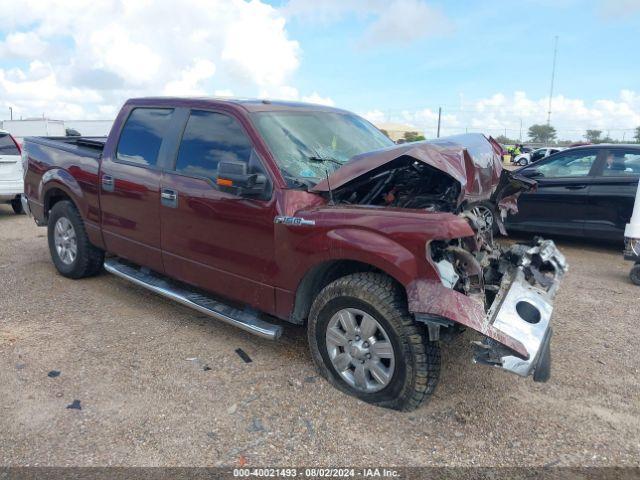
x=246 y=320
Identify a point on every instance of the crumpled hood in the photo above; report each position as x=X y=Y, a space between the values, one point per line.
x=472 y=160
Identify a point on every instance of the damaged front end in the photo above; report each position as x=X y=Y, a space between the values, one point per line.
x=503 y=292
x=510 y=292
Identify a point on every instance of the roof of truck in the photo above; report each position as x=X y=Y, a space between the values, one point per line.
x=248 y=104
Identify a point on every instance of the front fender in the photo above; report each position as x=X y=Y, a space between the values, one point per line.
x=365 y=246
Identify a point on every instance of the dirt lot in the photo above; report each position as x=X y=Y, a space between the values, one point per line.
x=137 y=364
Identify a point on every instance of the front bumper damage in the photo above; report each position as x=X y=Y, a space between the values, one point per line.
x=522 y=311
x=516 y=325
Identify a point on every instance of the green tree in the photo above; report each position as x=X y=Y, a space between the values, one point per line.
x=385 y=132
x=413 y=137
x=593 y=136
x=542 y=133
x=501 y=139
x=637 y=135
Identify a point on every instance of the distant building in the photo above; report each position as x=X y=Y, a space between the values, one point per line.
x=396 y=131
x=46 y=127
x=90 y=128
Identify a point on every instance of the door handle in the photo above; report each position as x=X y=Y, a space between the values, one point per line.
x=575 y=187
x=108 y=183
x=169 y=198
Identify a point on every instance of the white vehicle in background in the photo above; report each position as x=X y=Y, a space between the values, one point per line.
x=11 y=181
x=34 y=127
x=526 y=158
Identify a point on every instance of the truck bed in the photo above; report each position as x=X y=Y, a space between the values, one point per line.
x=85 y=146
x=72 y=166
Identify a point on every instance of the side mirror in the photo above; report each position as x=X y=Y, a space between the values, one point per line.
x=234 y=175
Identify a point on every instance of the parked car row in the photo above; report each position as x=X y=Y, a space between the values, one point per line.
x=532 y=156
x=584 y=191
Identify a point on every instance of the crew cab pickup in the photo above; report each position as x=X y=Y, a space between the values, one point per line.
x=259 y=213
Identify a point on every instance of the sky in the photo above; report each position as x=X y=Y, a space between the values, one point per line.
x=486 y=64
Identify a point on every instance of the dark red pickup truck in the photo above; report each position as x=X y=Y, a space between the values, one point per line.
x=255 y=212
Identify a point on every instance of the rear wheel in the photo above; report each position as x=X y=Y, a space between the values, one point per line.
x=634 y=275
x=72 y=253
x=366 y=344
x=16 y=204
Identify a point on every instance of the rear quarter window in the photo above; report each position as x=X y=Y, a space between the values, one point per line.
x=142 y=136
x=7 y=145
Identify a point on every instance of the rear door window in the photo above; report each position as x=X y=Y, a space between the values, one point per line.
x=142 y=136
x=622 y=163
x=570 y=164
x=7 y=145
x=209 y=138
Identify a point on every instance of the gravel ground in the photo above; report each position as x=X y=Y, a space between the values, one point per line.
x=160 y=385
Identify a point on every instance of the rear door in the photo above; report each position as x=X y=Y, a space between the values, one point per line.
x=10 y=167
x=212 y=237
x=130 y=186
x=559 y=205
x=613 y=192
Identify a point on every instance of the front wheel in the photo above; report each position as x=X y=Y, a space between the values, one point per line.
x=72 y=253
x=522 y=162
x=366 y=344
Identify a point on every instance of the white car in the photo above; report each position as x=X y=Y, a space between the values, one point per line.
x=11 y=181
x=531 y=157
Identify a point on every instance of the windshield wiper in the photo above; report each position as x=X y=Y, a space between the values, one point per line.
x=316 y=158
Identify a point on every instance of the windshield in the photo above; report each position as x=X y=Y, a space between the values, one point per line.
x=306 y=144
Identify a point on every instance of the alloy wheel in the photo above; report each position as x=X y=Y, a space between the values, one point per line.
x=360 y=350
x=64 y=238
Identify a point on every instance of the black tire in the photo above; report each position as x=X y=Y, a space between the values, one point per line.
x=89 y=259
x=417 y=360
x=634 y=274
x=522 y=162
x=16 y=204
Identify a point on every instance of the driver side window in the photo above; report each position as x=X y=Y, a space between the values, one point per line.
x=573 y=164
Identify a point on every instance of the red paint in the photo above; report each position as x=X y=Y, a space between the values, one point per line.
x=231 y=246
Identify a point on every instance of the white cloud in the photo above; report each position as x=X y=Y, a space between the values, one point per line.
x=396 y=22
x=190 y=82
x=22 y=45
x=315 y=97
x=501 y=113
x=404 y=21
x=118 y=49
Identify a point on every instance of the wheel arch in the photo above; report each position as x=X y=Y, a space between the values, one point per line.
x=321 y=275
x=57 y=185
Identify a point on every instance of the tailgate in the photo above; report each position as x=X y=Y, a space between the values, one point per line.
x=10 y=168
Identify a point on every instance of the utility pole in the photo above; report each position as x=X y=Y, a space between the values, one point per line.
x=521 y=130
x=553 y=75
x=439 y=116
x=11 y=113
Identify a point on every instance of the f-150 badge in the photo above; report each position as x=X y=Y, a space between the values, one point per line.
x=298 y=221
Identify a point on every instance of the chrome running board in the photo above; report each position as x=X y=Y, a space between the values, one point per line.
x=244 y=319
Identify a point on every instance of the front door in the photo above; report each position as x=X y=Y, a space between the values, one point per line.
x=212 y=237
x=130 y=188
x=559 y=205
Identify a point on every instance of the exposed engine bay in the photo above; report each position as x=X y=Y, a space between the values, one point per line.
x=405 y=183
